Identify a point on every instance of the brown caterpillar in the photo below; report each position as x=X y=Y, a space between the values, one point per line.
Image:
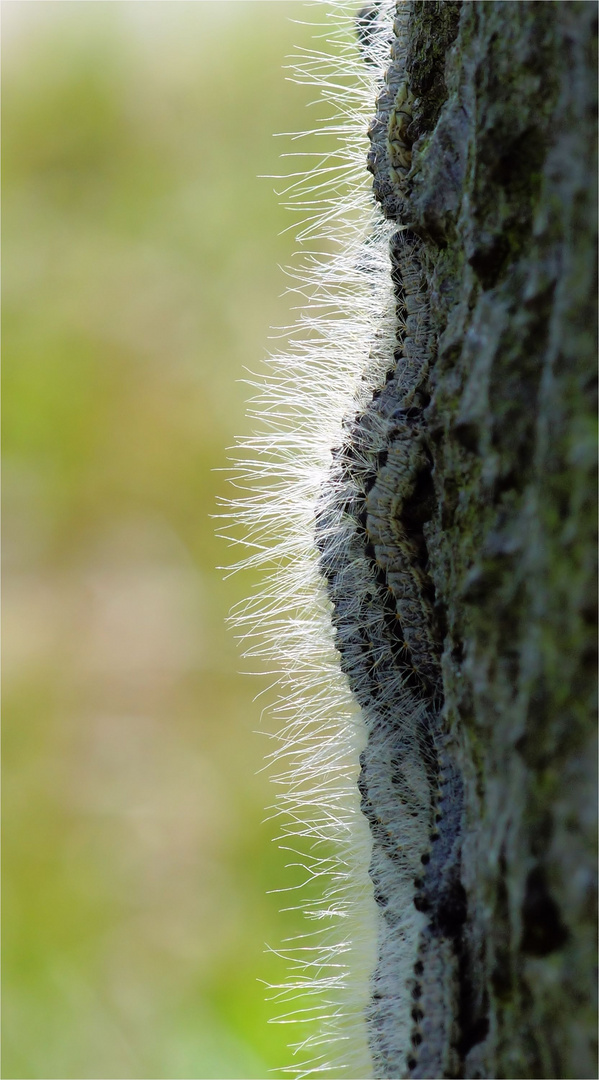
x=390 y=155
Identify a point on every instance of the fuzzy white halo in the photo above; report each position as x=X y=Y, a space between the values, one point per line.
x=335 y=356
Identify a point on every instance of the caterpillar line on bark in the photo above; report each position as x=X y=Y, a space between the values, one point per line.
x=338 y=493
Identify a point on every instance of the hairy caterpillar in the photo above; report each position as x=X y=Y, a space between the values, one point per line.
x=339 y=481
x=423 y=453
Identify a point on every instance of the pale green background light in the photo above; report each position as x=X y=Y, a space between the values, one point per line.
x=141 y=274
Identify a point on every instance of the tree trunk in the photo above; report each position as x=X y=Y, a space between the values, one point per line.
x=484 y=152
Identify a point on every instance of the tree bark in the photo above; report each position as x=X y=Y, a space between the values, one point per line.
x=498 y=187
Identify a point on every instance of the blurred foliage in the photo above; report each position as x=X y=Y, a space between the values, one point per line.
x=141 y=274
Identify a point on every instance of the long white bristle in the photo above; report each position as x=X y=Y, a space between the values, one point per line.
x=334 y=356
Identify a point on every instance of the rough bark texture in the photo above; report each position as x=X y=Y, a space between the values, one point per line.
x=501 y=193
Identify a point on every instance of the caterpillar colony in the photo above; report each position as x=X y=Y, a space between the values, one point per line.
x=336 y=483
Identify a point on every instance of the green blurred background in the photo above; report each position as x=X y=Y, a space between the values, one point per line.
x=141 y=275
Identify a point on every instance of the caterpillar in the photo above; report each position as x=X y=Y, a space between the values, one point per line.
x=373 y=556
x=421 y=499
x=339 y=482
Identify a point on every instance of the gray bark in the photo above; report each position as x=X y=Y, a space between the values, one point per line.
x=499 y=192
